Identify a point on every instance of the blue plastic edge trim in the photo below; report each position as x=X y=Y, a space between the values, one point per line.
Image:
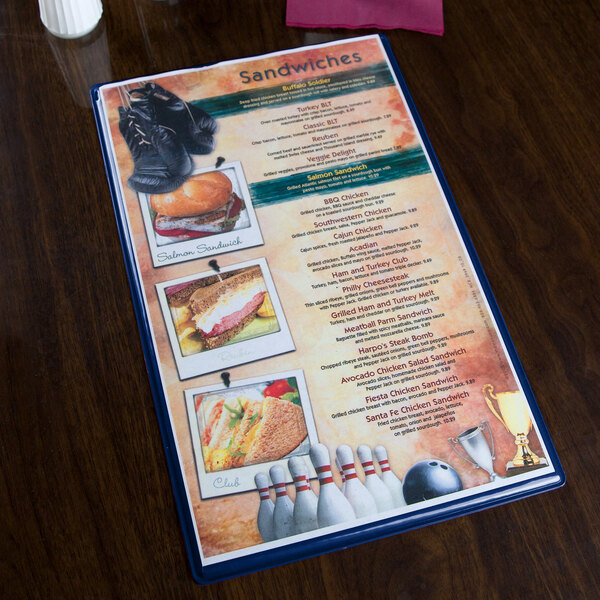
x=350 y=537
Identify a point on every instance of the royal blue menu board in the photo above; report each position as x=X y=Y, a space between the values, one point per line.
x=328 y=363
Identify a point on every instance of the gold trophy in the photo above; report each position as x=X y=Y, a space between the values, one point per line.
x=513 y=414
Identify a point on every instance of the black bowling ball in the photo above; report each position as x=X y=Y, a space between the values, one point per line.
x=429 y=479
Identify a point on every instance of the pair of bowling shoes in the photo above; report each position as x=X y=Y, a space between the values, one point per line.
x=161 y=131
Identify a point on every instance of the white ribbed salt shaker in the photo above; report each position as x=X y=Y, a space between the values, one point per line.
x=70 y=18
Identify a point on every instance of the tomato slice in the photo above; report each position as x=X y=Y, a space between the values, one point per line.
x=278 y=388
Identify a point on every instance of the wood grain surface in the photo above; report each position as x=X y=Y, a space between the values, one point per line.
x=509 y=97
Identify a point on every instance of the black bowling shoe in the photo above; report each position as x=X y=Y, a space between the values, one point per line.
x=194 y=126
x=161 y=163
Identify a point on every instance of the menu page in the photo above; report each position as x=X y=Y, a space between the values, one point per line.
x=326 y=352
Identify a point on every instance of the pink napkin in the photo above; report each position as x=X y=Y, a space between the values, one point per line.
x=419 y=15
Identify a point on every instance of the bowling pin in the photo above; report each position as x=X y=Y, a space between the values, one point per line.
x=264 y=520
x=383 y=496
x=357 y=494
x=283 y=513
x=332 y=507
x=305 y=505
x=388 y=477
x=341 y=471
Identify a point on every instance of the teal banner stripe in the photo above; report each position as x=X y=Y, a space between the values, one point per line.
x=381 y=169
x=347 y=82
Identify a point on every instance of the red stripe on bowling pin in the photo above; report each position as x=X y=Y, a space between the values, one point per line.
x=350 y=471
x=384 y=464
x=264 y=493
x=280 y=490
x=301 y=483
x=368 y=467
x=324 y=474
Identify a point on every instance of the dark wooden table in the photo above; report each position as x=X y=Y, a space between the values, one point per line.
x=509 y=96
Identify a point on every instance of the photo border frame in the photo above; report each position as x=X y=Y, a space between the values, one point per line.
x=241 y=479
x=190 y=249
x=224 y=357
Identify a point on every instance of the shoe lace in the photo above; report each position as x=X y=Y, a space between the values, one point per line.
x=136 y=131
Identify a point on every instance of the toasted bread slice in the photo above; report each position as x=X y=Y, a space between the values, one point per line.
x=282 y=428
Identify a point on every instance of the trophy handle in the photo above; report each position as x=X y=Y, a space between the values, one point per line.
x=487 y=426
x=488 y=394
x=453 y=443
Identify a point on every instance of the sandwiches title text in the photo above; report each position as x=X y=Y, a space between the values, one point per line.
x=287 y=69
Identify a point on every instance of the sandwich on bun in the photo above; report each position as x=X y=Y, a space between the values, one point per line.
x=204 y=205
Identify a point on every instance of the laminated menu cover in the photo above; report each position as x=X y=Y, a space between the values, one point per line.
x=328 y=363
